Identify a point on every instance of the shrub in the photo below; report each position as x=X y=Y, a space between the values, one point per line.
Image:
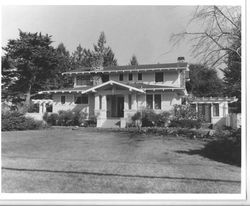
x=185 y=123
x=65 y=118
x=226 y=147
x=149 y=118
x=51 y=119
x=33 y=108
x=185 y=112
x=17 y=121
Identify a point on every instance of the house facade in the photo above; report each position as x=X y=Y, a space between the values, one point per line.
x=114 y=94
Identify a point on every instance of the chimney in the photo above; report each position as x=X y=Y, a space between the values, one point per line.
x=181 y=59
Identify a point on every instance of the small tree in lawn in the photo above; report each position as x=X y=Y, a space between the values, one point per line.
x=34 y=59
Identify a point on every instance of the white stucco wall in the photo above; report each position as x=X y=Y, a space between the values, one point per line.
x=171 y=78
x=69 y=103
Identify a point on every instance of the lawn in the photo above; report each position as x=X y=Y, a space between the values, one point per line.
x=102 y=161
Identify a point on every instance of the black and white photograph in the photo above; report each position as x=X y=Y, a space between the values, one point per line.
x=123 y=99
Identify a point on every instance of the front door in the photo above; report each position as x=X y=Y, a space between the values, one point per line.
x=120 y=106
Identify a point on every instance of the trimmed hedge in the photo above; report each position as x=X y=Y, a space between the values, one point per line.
x=13 y=120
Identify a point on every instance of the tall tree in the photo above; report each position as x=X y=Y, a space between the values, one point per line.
x=232 y=75
x=34 y=59
x=204 y=82
x=133 y=60
x=101 y=56
x=64 y=64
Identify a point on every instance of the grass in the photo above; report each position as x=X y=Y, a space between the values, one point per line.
x=93 y=161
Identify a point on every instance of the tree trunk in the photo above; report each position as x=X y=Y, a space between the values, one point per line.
x=28 y=96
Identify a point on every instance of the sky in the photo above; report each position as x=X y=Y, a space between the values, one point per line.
x=144 y=31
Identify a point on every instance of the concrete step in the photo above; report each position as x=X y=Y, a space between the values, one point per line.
x=111 y=123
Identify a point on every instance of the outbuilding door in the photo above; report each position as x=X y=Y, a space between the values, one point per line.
x=205 y=111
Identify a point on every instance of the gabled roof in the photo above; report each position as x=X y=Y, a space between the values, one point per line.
x=84 y=90
x=129 y=68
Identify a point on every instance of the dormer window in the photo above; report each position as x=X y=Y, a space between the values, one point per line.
x=105 y=78
x=158 y=76
x=130 y=77
x=121 y=77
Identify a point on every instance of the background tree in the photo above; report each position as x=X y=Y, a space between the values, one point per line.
x=204 y=82
x=101 y=56
x=218 y=27
x=34 y=59
x=217 y=42
x=133 y=60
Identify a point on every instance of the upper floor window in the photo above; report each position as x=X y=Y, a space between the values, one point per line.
x=62 y=99
x=158 y=76
x=121 y=77
x=139 y=76
x=215 y=110
x=83 y=99
x=130 y=76
x=157 y=101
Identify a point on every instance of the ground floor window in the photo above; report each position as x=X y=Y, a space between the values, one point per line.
x=129 y=101
x=62 y=99
x=157 y=101
x=149 y=100
x=83 y=99
x=215 y=110
x=193 y=107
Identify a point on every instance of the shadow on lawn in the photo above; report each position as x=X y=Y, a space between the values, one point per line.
x=219 y=150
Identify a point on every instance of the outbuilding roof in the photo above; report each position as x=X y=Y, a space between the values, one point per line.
x=212 y=99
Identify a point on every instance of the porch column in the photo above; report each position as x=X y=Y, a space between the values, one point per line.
x=126 y=102
x=40 y=107
x=134 y=103
x=212 y=112
x=97 y=105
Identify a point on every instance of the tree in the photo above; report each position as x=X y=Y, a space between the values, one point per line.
x=133 y=60
x=34 y=59
x=101 y=56
x=232 y=77
x=204 y=82
x=218 y=29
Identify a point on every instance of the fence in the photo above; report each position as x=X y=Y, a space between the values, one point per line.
x=233 y=120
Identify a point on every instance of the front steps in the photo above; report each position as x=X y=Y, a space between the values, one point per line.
x=111 y=123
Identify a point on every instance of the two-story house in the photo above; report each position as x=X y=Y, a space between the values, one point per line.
x=114 y=94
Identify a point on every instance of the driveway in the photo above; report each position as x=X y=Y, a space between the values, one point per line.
x=102 y=161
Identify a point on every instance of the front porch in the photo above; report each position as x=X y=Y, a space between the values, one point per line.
x=118 y=107
x=115 y=101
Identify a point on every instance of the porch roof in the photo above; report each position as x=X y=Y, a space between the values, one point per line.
x=212 y=99
x=130 y=68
